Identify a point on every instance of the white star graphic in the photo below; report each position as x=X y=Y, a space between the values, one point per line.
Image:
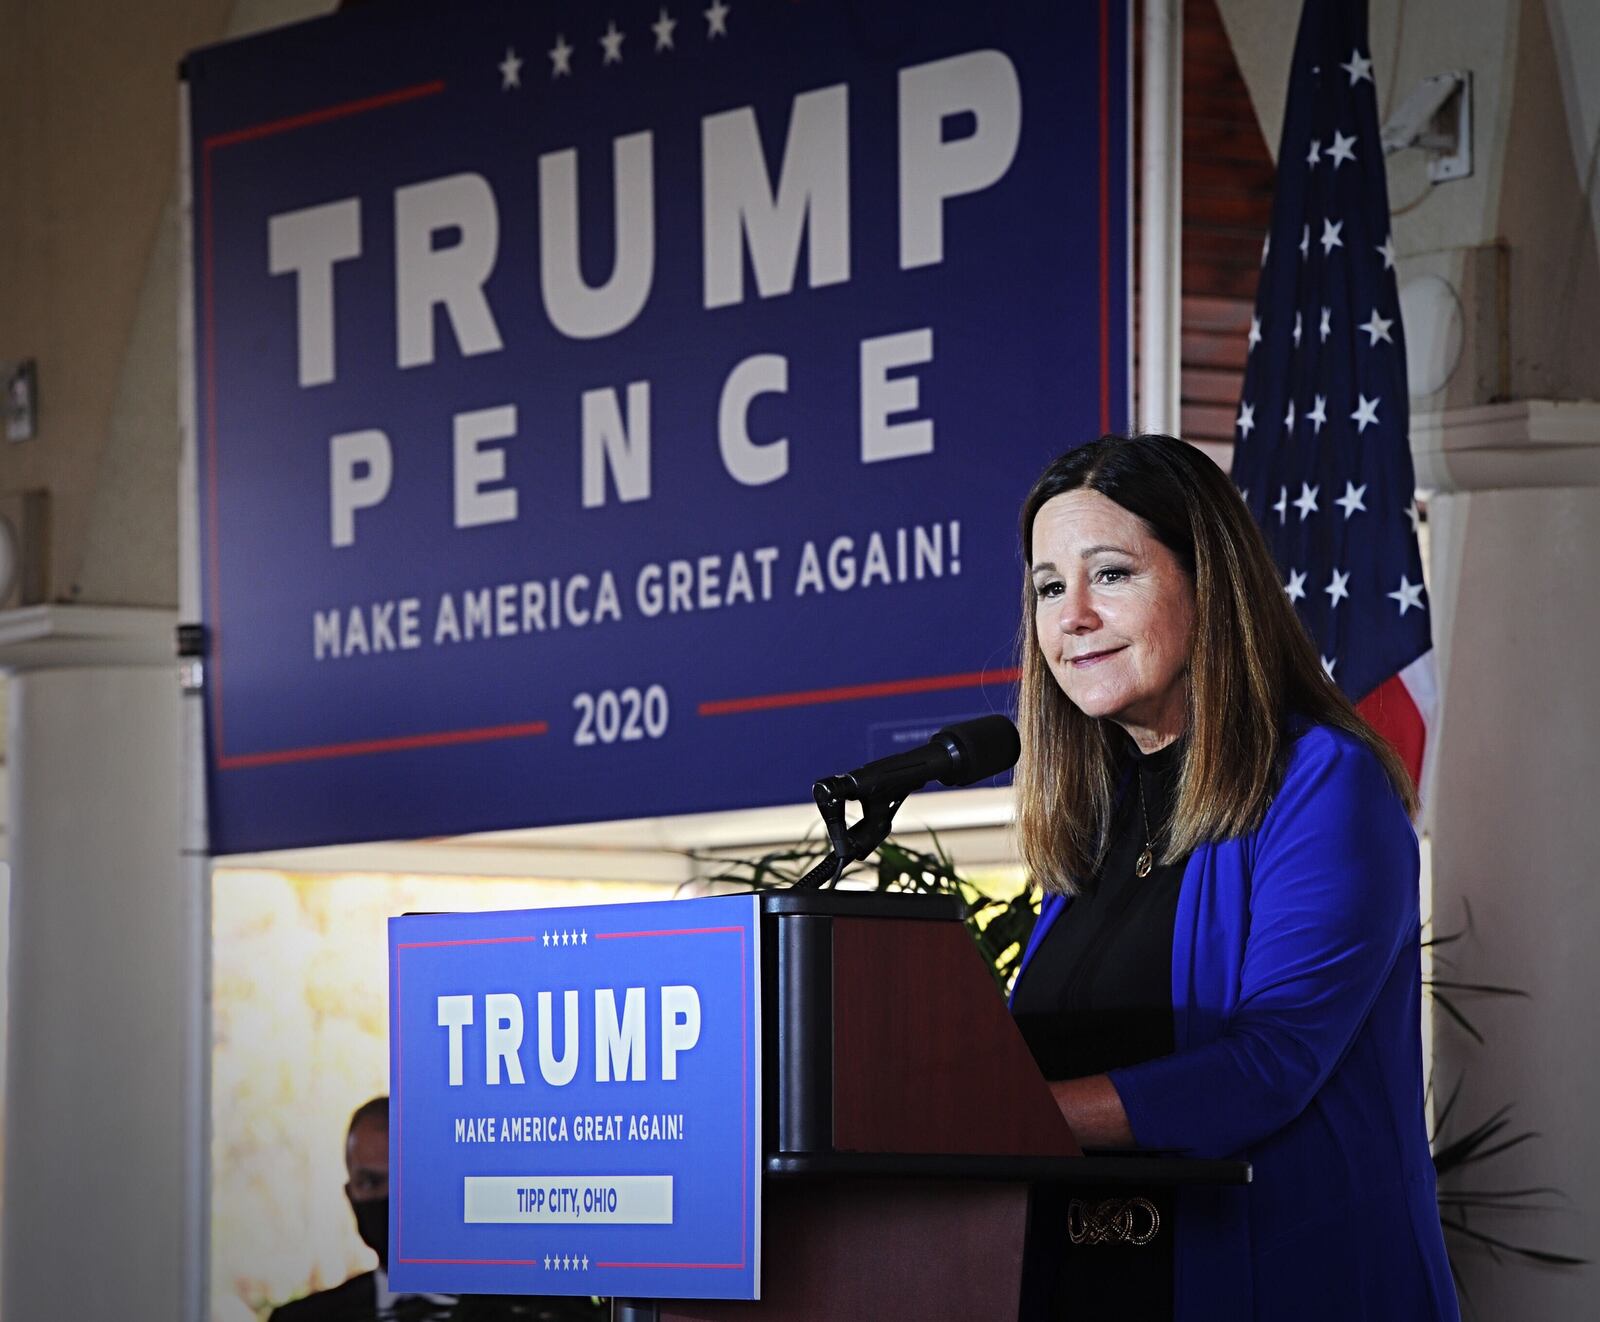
x=1266 y=246
x=560 y=57
x=1305 y=240
x=565 y=938
x=1255 y=332
x=1247 y=417
x=1366 y=412
x=611 y=43
x=586 y=1262
x=1338 y=588
x=1282 y=507
x=547 y=1262
x=1386 y=251
x=662 y=27
x=1330 y=236
x=583 y=938
x=1342 y=149
x=1351 y=501
x=1315 y=154
x=1359 y=67
x=1328 y=663
x=1414 y=513
x=1296 y=330
x=510 y=70
x=1318 y=415
x=566 y=1262
x=1377 y=327
x=1408 y=594
x=1326 y=329
x=1296 y=586
x=547 y=938
x=717 y=19
x=1288 y=418
x=1307 y=501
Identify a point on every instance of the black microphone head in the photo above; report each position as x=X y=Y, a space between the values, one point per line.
x=979 y=749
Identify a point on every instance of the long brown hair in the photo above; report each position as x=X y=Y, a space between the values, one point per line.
x=1251 y=668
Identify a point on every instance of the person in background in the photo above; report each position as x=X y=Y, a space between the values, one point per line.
x=367 y=1296
x=1227 y=963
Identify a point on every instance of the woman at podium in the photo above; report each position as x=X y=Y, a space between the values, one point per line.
x=1227 y=963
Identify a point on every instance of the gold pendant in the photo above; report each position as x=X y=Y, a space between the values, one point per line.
x=1143 y=866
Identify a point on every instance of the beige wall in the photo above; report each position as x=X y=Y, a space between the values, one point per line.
x=88 y=273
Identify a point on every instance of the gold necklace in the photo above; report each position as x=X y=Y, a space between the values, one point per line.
x=1148 y=858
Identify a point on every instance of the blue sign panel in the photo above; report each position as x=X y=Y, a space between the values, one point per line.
x=585 y=395
x=576 y=1101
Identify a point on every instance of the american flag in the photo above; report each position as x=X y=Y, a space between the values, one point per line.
x=1323 y=457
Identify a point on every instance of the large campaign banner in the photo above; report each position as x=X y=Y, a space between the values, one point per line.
x=575 y=1101
x=624 y=410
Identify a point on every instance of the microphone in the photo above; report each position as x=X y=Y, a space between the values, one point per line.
x=960 y=754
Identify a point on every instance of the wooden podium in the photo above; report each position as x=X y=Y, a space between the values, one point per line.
x=904 y=1122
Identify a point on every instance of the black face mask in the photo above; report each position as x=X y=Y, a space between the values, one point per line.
x=372 y=1224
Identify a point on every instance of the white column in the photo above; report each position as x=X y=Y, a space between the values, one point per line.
x=106 y=973
x=1515 y=532
x=1161 y=216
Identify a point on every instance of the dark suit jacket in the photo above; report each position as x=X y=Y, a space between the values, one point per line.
x=354 y=1301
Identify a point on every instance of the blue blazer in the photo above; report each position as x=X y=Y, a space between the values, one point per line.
x=1296 y=995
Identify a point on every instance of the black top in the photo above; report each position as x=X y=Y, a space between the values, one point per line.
x=1098 y=994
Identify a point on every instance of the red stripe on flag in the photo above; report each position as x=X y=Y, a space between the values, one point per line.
x=1390 y=711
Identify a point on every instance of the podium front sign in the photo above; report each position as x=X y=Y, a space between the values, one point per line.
x=575 y=1101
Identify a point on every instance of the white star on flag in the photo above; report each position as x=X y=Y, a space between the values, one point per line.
x=1408 y=594
x=1342 y=149
x=1307 y=501
x=662 y=27
x=1326 y=328
x=717 y=19
x=1377 y=327
x=1338 y=588
x=1366 y=412
x=1282 y=507
x=1288 y=418
x=1296 y=330
x=1351 y=501
x=611 y=43
x=510 y=71
x=1305 y=240
x=1328 y=663
x=1318 y=415
x=1330 y=236
x=1386 y=251
x=1247 y=418
x=1315 y=154
x=1255 y=332
x=1296 y=586
x=1266 y=246
x=1358 y=68
x=560 y=57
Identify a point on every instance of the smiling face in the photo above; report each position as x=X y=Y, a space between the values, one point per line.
x=1114 y=615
